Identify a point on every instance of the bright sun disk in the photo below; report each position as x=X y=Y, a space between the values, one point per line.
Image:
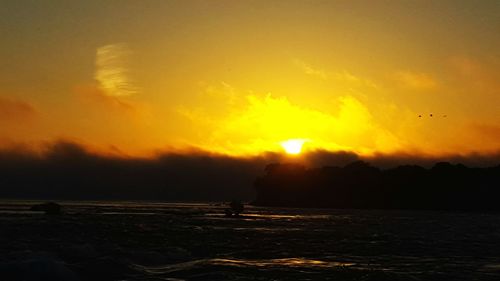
x=293 y=146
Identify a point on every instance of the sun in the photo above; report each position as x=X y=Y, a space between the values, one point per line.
x=293 y=146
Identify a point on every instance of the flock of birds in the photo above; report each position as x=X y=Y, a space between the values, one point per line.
x=431 y=115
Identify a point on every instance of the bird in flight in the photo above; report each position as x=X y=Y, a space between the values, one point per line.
x=432 y=115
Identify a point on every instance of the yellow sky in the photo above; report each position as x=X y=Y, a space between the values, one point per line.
x=240 y=77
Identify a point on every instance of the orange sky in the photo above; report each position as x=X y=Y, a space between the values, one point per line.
x=240 y=77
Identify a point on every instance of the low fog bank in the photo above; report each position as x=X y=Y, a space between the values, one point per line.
x=68 y=170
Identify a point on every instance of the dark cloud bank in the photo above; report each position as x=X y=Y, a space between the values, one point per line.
x=67 y=170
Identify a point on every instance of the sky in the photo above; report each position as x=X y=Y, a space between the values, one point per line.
x=240 y=78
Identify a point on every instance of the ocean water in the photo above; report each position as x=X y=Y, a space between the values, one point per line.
x=183 y=241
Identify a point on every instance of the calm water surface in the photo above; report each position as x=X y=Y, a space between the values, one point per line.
x=175 y=241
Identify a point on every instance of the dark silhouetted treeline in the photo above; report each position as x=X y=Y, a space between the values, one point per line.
x=359 y=185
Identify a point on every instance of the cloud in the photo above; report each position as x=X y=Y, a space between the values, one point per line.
x=339 y=76
x=480 y=76
x=72 y=171
x=95 y=95
x=415 y=80
x=309 y=70
x=262 y=122
x=348 y=77
x=15 y=110
x=488 y=131
x=112 y=71
x=465 y=66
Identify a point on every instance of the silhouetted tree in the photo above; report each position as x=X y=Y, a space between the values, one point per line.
x=360 y=185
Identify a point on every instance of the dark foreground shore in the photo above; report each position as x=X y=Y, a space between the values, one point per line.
x=151 y=241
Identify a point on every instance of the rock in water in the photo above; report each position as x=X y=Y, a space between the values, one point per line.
x=236 y=207
x=50 y=208
x=228 y=212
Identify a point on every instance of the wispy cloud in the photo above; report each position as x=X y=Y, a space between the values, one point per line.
x=488 y=131
x=348 y=77
x=17 y=119
x=416 y=80
x=97 y=96
x=112 y=71
x=478 y=75
x=11 y=109
x=343 y=76
x=309 y=70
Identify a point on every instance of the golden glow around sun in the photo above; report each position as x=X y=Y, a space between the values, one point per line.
x=293 y=146
x=187 y=88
